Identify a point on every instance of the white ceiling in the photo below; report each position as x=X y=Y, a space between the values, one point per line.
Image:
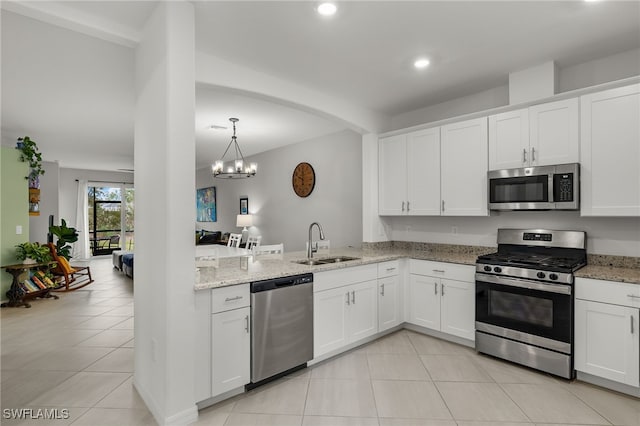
x=67 y=67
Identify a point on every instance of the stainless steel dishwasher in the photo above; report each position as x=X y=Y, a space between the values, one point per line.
x=281 y=326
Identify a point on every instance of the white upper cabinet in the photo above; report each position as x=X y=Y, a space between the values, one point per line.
x=423 y=166
x=409 y=176
x=392 y=176
x=610 y=152
x=509 y=140
x=554 y=133
x=541 y=135
x=464 y=151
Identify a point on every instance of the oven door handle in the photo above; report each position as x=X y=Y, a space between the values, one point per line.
x=516 y=282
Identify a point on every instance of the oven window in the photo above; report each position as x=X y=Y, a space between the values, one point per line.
x=527 y=189
x=526 y=309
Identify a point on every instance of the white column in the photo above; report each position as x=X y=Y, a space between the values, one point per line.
x=373 y=228
x=165 y=214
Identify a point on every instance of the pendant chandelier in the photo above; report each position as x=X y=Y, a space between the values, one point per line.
x=233 y=169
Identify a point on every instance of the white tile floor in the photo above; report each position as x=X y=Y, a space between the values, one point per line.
x=76 y=353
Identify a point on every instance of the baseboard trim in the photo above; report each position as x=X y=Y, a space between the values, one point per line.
x=608 y=384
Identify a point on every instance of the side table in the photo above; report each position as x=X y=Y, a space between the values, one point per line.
x=16 y=294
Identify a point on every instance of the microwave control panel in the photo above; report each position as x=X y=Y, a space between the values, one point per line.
x=563 y=187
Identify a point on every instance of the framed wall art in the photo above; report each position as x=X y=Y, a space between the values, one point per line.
x=244 y=205
x=206 y=204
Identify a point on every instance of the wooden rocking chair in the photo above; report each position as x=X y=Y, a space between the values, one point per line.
x=70 y=277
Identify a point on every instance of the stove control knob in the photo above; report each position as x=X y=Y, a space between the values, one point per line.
x=553 y=277
x=487 y=268
x=541 y=275
x=497 y=269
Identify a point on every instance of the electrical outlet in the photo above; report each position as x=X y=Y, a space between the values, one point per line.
x=454 y=229
x=18 y=229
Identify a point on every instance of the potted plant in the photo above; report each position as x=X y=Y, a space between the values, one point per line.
x=33 y=253
x=30 y=154
x=66 y=235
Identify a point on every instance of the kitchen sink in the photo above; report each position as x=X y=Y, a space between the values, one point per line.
x=326 y=260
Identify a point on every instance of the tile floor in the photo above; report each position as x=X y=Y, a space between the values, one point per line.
x=76 y=353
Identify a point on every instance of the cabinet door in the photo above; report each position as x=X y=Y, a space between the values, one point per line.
x=230 y=350
x=392 y=175
x=509 y=140
x=329 y=320
x=388 y=302
x=610 y=152
x=362 y=318
x=458 y=308
x=423 y=167
x=464 y=168
x=554 y=133
x=424 y=301
x=607 y=341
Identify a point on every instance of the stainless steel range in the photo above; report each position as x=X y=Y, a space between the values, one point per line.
x=524 y=298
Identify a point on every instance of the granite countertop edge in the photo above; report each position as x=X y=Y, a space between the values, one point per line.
x=241 y=270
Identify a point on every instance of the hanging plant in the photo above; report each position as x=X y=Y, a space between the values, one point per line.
x=29 y=153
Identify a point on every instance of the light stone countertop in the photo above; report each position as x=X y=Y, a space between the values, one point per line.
x=610 y=273
x=244 y=269
x=238 y=270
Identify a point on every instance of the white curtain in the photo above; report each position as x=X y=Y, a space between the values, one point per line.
x=81 y=247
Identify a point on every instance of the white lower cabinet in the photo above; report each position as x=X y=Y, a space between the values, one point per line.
x=606 y=330
x=439 y=303
x=230 y=351
x=344 y=315
x=230 y=338
x=389 y=295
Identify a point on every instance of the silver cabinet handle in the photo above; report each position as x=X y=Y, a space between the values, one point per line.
x=435 y=288
x=533 y=155
x=348 y=300
x=391 y=269
x=441 y=271
x=403 y=206
x=442 y=205
x=246 y=323
x=631 y=318
x=633 y=296
x=407 y=206
x=353 y=297
x=231 y=299
x=524 y=155
x=442 y=289
x=381 y=289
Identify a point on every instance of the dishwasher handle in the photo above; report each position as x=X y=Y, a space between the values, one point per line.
x=275 y=283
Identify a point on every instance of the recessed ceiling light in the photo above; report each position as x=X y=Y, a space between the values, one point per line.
x=421 y=63
x=327 y=9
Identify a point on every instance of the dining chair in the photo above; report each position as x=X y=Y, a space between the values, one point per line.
x=253 y=241
x=234 y=240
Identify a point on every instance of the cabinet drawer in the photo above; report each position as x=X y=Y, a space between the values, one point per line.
x=231 y=297
x=344 y=276
x=388 y=269
x=623 y=294
x=450 y=271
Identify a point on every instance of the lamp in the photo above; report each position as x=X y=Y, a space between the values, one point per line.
x=244 y=220
x=235 y=169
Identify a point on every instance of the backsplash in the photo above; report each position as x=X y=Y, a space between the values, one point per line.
x=592 y=259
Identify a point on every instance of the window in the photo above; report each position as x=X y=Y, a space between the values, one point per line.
x=110 y=211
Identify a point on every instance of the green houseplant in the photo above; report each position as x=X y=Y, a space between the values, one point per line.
x=33 y=253
x=29 y=153
x=66 y=235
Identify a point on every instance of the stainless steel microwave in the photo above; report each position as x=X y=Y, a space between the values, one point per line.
x=535 y=188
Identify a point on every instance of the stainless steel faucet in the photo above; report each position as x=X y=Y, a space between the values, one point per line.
x=310 y=248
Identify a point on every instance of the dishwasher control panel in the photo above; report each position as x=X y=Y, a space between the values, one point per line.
x=272 y=284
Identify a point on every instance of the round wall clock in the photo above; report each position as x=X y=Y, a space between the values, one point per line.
x=303 y=179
